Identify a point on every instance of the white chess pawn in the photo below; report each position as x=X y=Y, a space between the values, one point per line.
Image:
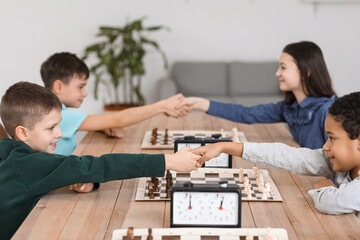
x=267 y=187
x=249 y=236
x=269 y=234
x=264 y=195
x=249 y=196
x=241 y=175
x=246 y=181
x=235 y=137
x=255 y=170
x=222 y=133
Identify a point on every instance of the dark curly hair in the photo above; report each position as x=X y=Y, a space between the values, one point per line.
x=347 y=111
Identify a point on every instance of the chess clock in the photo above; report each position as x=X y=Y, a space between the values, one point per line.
x=187 y=141
x=224 y=160
x=205 y=205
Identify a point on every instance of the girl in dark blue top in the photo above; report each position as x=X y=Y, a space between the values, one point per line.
x=308 y=93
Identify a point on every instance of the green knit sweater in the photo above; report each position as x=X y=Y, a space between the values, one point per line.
x=26 y=176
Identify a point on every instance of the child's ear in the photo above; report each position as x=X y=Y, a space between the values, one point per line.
x=57 y=86
x=21 y=133
x=358 y=143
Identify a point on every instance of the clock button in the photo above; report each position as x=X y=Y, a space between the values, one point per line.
x=188 y=184
x=216 y=136
x=189 y=137
x=223 y=184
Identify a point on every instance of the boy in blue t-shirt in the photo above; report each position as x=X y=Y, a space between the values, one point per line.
x=66 y=75
x=29 y=170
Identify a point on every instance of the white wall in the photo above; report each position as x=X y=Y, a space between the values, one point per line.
x=200 y=30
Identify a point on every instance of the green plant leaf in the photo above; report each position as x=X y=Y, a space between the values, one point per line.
x=139 y=95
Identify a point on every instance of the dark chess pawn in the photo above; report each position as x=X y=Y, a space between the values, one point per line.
x=153 y=180
x=151 y=193
x=150 y=185
x=168 y=192
x=130 y=234
x=167 y=174
x=166 y=137
x=171 y=180
x=149 y=237
x=153 y=140
x=156 y=185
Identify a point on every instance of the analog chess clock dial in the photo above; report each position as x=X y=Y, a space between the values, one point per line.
x=215 y=205
x=187 y=141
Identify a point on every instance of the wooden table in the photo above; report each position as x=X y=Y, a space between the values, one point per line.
x=63 y=214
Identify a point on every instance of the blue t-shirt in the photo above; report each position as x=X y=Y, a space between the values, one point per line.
x=69 y=125
x=306 y=119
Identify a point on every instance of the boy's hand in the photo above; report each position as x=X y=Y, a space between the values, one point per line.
x=323 y=183
x=182 y=161
x=194 y=103
x=169 y=105
x=82 y=187
x=208 y=152
x=114 y=132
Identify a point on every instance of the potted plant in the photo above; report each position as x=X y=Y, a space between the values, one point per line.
x=119 y=62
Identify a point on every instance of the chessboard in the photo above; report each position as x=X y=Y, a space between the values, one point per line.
x=252 y=189
x=165 y=140
x=201 y=234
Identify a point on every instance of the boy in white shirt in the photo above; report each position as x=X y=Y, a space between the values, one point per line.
x=339 y=159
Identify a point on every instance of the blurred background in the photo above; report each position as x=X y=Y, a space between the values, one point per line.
x=200 y=30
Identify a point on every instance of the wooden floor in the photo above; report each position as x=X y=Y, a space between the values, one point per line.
x=63 y=214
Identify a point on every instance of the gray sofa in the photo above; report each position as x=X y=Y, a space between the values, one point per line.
x=247 y=83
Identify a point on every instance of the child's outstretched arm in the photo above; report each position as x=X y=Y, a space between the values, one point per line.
x=182 y=161
x=195 y=103
x=210 y=151
x=134 y=115
x=297 y=160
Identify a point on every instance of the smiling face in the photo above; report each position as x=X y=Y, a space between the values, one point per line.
x=73 y=93
x=45 y=134
x=289 y=74
x=343 y=152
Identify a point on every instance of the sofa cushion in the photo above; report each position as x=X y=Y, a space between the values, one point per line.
x=247 y=78
x=201 y=78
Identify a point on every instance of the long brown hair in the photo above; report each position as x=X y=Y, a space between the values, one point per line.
x=314 y=75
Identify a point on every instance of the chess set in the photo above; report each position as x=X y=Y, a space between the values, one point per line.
x=201 y=234
x=164 y=139
x=256 y=184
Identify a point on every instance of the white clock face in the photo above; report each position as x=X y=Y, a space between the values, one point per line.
x=221 y=161
x=188 y=145
x=205 y=208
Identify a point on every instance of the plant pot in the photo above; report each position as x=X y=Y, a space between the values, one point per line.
x=119 y=106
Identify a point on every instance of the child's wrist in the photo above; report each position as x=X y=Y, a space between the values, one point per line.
x=169 y=158
x=160 y=106
x=203 y=104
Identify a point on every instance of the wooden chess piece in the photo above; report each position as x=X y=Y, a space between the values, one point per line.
x=171 y=180
x=166 y=137
x=168 y=192
x=156 y=185
x=130 y=234
x=151 y=193
x=149 y=237
x=150 y=185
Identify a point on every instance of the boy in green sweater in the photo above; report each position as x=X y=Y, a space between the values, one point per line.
x=29 y=169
